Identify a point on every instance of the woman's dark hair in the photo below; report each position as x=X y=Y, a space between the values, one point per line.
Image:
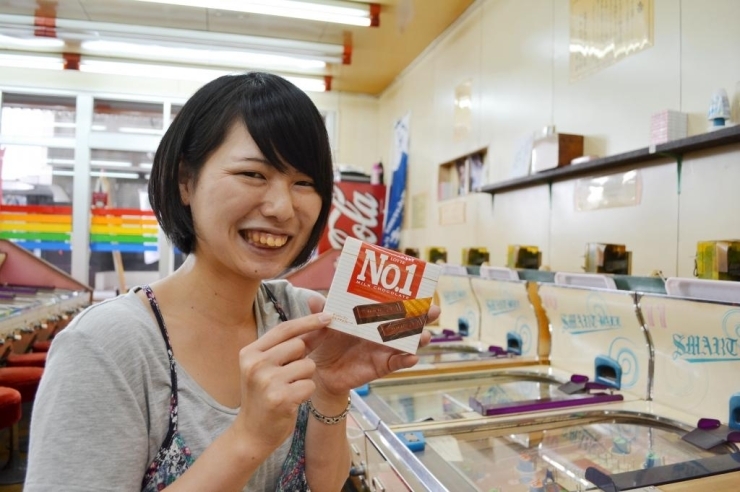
x=283 y=122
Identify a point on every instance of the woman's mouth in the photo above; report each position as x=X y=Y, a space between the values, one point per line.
x=265 y=239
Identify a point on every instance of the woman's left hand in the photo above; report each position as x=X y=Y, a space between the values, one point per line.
x=344 y=362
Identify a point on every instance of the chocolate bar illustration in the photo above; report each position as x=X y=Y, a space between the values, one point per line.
x=402 y=328
x=386 y=311
x=369 y=313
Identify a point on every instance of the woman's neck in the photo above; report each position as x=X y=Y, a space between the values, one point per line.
x=198 y=291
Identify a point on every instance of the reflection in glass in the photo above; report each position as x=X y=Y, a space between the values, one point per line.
x=32 y=115
x=36 y=204
x=448 y=398
x=556 y=459
x=130 y=117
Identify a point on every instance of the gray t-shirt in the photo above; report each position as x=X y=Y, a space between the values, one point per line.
x=102 y=408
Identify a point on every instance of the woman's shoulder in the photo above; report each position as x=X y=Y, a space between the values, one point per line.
x=112 y=324
x=284 y=290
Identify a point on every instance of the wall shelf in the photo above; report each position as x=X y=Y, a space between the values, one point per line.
x=606 y=165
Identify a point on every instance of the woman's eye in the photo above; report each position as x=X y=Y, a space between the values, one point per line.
x=253 y=174
x=310 y=184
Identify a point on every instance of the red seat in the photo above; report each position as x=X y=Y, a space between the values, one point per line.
x=25 y=380
x=10 y=414
x=10 y=407
x=42 y=346
x=26 y=360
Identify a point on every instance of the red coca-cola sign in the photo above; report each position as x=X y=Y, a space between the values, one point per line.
x=357 y=210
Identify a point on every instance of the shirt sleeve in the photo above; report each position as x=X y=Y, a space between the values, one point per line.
x=88 y=431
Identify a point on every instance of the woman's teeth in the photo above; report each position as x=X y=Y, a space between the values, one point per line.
x=264 y=239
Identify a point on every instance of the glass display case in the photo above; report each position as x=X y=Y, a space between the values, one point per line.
x=545 y=454
x=475 y=395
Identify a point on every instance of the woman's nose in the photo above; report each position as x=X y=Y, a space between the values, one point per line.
x=277 y=202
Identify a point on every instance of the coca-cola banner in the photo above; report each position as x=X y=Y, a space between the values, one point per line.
x=356 y=211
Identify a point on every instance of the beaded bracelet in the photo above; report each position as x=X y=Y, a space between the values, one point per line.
x=329 y=420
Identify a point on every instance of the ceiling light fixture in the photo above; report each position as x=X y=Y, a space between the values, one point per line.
x=336 y=11
x=93 y=162
x=30 y=42
x=98 y=174
x=203 y=56
x=49 y=62
x=146 y=131
x=79 y=31
x=203 y=75
x=194 y=74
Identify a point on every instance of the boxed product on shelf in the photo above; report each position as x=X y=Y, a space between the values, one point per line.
x=668 y=125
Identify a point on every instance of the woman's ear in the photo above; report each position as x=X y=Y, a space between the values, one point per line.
x=185 y=184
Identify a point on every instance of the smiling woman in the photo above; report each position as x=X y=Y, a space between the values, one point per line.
x=215 y=378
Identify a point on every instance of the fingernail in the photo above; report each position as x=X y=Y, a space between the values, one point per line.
x=325 y=317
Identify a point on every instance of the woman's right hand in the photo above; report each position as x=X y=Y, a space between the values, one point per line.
x=276 y=378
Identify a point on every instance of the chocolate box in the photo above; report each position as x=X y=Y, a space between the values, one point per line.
x=381 y=295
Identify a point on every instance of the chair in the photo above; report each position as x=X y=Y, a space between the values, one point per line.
x=25 y=381
x=10 y=414
x=31 y=359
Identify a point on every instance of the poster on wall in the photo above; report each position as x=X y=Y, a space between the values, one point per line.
x=397 y=194
x=602 y=32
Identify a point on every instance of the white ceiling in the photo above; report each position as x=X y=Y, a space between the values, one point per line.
x=378 y=54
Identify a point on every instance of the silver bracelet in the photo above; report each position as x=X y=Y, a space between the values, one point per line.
x=329 y=420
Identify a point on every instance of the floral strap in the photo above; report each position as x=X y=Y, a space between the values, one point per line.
x=293 y=474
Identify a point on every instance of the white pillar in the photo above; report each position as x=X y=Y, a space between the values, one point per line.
x=81 y=194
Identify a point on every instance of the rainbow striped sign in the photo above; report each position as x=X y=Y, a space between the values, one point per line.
x=47 y=227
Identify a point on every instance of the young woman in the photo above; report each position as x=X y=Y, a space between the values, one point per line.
x=214 y=379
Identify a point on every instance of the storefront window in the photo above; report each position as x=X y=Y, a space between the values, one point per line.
x=123 y=230
x=130 y=117
x=36 y=211
x=32 y=115
x=176 y=108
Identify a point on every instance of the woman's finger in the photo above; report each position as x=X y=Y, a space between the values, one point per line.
x=401 y=361
x=433 y=314
x=301 y=390
x=291 y=329
x=287 y=351
x=298 y=370
x=316 y=303
x=426 y=337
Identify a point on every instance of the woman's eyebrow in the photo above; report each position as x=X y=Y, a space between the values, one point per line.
x=243 y=158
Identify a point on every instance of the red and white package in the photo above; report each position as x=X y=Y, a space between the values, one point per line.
x=381 y=295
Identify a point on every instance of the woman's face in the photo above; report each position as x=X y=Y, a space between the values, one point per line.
x=250 y=219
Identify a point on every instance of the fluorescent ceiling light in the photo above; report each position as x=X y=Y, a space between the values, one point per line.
x=78 y=31
x=31 y=61
x=31 y=42
x=341 y=12
x=150 y=70
x=97 y=174
x=204 y=56
x=182 y=73
x=94 y=162
x=148 y=131
x=308 y=84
